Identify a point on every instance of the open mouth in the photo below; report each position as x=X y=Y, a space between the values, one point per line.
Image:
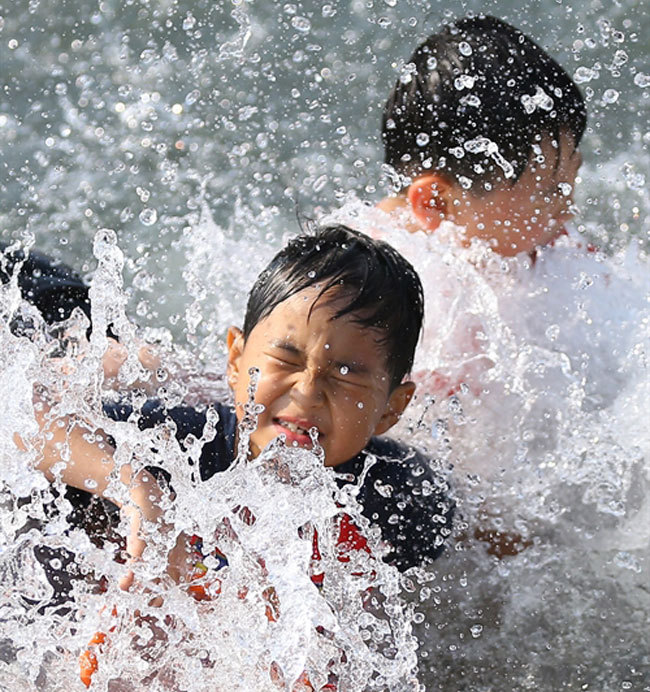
x=295 y=432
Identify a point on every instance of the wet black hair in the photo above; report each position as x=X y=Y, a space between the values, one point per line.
x=373 y=283
x=473 y=101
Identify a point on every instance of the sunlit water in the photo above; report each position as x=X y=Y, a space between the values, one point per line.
x=198 y=131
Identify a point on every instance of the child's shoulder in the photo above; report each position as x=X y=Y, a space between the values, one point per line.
x=217 y=424
x=408 y=497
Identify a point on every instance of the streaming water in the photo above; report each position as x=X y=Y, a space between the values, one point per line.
x=198 y=131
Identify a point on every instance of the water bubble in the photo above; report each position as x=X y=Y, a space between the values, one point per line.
x=584 y=74
x=192 y=97
x=320 y=183
x=633 y=179
x=301 y=24
x=464 y=48
x=540 y=99
x=565 y=189
x=189 y=22
x=610 y=96
x=642 y=80
x=328 y=11
x=476 y=631
x=471 y=100
x=391 y=3
x=148 y=216
x=344 y=370
x=552 y=332
x=465 y=81
x=422 y=139
x=359 y=404
x=407 y=72
x=90 y=484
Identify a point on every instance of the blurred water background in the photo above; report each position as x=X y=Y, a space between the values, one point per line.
x=132 y=115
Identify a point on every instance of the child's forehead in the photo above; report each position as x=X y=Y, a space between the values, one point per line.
x=311 y=315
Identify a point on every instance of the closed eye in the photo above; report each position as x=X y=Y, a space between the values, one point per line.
x=284 y=359
x=349 y=380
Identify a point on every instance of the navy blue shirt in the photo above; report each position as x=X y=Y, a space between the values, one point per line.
x=400 y=493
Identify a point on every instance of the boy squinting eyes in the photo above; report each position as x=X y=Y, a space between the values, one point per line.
x=316 y=371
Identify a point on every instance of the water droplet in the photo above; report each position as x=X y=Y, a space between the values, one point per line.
x=552 y=332
x=584 y=74
x=192 y=97
x=610 y=96
x=344 y=370
x=642 y=80
x=422 y=139
x=148 y=217
x=359 y=404
x=301 y=24
x=476 y=631
x=464 y=48
x=465 y=81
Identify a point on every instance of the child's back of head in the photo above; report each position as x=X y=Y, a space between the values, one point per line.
x=474 y=100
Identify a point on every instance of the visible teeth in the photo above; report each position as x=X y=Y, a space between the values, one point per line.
x=293 y=427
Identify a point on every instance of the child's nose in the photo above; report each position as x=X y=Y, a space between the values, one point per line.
x=308 y=387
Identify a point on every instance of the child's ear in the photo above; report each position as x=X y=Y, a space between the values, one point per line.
x=430 y=198
x=397 y=402
x=235 y=344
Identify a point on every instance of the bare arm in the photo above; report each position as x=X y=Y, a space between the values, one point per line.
x=68 y=450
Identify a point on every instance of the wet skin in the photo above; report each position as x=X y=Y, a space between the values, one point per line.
x=315 y=372
x=510 y=217
x=532 y=212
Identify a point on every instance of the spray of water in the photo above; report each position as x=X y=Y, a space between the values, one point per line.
x=261 y=622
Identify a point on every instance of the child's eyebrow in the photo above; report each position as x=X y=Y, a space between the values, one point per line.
x=286 y=345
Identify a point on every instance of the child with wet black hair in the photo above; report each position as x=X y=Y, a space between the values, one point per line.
x=481 y=134
x=483 y=128
x=331 y=326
